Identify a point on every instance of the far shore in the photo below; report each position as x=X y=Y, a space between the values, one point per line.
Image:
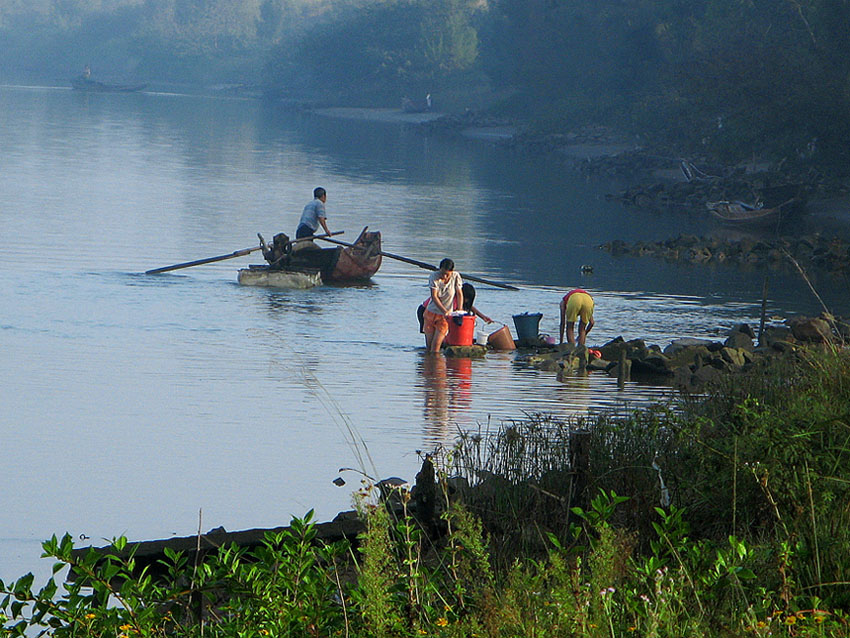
x=830 y=210
x=494 y=133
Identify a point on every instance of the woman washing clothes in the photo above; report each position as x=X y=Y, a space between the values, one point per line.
x=446 y=288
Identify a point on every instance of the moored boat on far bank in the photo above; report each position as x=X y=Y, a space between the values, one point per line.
x=741 y=213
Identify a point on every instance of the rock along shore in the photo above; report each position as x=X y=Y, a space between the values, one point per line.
x=690 y=364
x=831 y=254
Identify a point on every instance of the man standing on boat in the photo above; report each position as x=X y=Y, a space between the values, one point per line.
x=313 y=215
x=577 y=305
x=446 y=287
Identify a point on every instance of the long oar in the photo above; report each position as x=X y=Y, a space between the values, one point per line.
x=422 y=264
x=233 y=255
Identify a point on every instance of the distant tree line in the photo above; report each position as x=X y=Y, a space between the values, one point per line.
x=734 y=76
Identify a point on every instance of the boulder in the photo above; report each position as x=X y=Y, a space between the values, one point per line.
x=738 y=340
x=567 y=348
x=692 y=355
x=545 y=362
x=744 y=328
x=685 y=342
x=783 y=346
x=597 y=364
x=733 y=356
x=611 y=350
x=772 y=334
x=465 y=351
x=615 y=369
x=719 y=363
x=653 y=363
x=570 y=363
x=706 y=374
x=810 y=329
x=636 y=348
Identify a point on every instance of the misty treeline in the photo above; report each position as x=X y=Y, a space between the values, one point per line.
x=734 y=76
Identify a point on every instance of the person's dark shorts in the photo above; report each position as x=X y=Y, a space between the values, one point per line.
x=303 y=231
x=420 y=314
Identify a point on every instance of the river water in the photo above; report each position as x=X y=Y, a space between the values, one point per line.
x=149 y=405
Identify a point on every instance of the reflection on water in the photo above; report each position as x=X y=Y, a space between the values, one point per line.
x=447 y=391
x=576 y=391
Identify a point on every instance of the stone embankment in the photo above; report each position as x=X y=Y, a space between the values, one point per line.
x=689 y=364
x=830 y=254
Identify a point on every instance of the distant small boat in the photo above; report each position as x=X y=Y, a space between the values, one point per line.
x=412 y=106
x=82 y=83
x=737 y=212
x=692 y=173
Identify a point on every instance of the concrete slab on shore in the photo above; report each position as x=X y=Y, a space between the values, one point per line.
x=593 y=150
x=378 y=115
x=492 y=133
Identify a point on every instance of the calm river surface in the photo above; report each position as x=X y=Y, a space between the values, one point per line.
x=132 y=404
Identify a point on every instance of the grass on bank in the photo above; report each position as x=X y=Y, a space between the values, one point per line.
x=727 y=516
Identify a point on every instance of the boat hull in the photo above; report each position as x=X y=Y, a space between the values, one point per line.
x=355 y=263
x=734 y=214
x=263 y=276
x=740 y=214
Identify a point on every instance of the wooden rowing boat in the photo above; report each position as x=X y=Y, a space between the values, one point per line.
x=740 y=212
x=355 y=262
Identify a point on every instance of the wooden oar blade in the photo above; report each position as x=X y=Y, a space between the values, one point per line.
x=198 y=262
x=233 y=255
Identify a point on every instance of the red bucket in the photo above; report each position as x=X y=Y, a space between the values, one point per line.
x=460 y=335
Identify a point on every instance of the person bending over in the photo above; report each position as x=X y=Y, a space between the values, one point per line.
x=469 y=299
x=577 y=305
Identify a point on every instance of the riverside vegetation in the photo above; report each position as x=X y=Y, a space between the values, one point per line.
x=725 y=514
x=667 y=70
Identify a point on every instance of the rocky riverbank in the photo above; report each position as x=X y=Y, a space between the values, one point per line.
x=689 y=364
x=831 y=254
x=663 y=178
